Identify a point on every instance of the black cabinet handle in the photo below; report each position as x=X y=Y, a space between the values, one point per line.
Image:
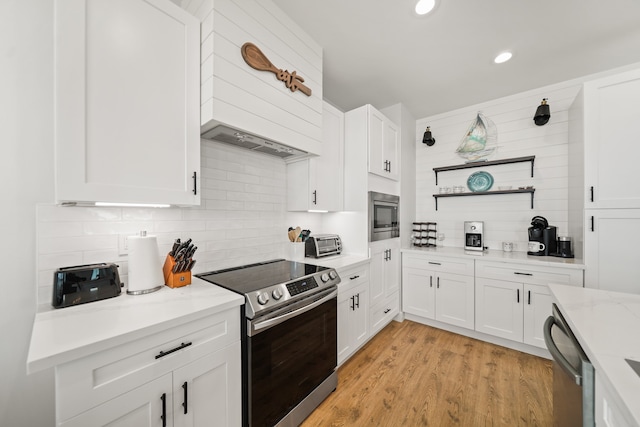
x=353 y=277
x=592 y=193
x=353 y=303
x=518 y=297
x=180 y=347
x=358 y=300
x=163 y=417
x=431 y=281
x=522 y=274
x=434 y=263
x=387 y=310
x=195 y=190
x=184 y=404
x=529 y=297
x=593 y=228
x=315 y=197
x=438 y=282
x=389 y=170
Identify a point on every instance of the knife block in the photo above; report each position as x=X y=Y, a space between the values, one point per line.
x=174 y=280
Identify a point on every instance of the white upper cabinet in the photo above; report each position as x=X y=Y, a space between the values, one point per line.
x=383 y=146
x=611 y=108
x=251 y=100
x=316 y=183
x=126 y=102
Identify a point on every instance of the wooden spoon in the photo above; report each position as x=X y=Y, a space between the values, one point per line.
x=257 y=60
x=298 y=230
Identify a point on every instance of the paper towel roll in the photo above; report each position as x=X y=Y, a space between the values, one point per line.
x=145 y=271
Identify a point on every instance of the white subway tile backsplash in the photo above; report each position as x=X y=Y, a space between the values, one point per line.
x=241 y=220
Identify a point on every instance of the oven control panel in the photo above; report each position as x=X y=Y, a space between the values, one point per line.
x=301 y=286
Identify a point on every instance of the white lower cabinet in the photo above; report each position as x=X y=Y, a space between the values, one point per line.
x=438 y=288
x=187 y=375
x=516 y=309
x=353 y=310
x=609 y=410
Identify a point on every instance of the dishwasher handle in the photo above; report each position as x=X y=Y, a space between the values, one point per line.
x=555 y=352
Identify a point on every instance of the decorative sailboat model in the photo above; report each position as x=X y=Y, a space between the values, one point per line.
x=479 y=141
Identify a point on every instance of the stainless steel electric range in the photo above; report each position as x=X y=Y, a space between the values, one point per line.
x=289 y=345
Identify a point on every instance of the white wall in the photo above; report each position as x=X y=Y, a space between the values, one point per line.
x=26 y=120
x=506 y=217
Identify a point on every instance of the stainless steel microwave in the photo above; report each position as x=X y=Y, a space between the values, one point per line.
x=383 y=216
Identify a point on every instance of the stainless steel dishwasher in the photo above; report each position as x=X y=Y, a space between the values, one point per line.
x=573 y=375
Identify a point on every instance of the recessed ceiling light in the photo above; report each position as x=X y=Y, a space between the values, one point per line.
x=503 y=57
x=425 y=6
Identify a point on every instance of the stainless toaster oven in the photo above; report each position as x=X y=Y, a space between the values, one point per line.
x=322 y=245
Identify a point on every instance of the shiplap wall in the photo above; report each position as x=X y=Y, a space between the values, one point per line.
x=506 y=217
x=235 y=94
x=241 y=220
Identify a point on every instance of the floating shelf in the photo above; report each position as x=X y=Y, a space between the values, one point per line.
x=487 y=193
x=487 y=163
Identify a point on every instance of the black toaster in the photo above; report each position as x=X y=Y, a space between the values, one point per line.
x=85 y=283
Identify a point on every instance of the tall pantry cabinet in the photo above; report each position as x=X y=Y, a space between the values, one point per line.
x=372 y=157
x=604 y=202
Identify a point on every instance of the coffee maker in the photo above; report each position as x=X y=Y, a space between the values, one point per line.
x=541 y=232
x=474 y=236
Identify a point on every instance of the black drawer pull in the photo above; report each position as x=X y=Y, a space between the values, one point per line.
x=387 y=310
x=518 y=299
x=434 y=263
x=353 y=277
x=522 y=274
x=180 y=347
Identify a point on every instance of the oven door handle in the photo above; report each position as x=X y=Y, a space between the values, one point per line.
x=276 y=320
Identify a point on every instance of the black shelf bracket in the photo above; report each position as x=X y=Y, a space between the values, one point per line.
x=486 y=163
x=487 y=193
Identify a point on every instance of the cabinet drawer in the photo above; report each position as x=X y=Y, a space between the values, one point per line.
x=382 y=313
x=529 y=274
x=352 y=276
x=87 y=382
x=438 y=264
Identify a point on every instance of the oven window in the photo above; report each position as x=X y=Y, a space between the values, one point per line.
x=288 y=361
x=384 y=216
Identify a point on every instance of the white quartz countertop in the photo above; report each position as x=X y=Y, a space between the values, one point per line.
x=607 y=325
x=65 y=334
x=338 y=261
x=515 y=257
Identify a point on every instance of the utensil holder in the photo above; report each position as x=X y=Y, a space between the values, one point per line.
x=296 y=251
x=174 y=280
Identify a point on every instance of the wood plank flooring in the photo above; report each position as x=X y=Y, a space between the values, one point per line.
x=415 y=375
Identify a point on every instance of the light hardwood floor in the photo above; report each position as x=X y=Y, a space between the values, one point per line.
x=415 y=375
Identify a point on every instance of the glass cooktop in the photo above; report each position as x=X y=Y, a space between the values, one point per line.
x=254 y=277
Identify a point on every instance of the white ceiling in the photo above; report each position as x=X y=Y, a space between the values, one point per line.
x=379 y=52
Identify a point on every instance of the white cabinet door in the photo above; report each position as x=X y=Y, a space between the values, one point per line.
x=385 y=269
x=611 y=249
x=392 y=270
x=353 y=320
x=455 y=299
x=317 y=183
x=126 y=102
x=499 y=308
x=418 y=292
x=611 y=111
x=383 y=145
x=537 y=307
x=208 y=389
x=140 y=407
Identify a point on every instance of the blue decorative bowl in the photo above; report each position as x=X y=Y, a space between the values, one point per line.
x=480 y=181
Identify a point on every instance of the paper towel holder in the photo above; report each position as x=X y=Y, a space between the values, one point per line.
x=149 y=277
